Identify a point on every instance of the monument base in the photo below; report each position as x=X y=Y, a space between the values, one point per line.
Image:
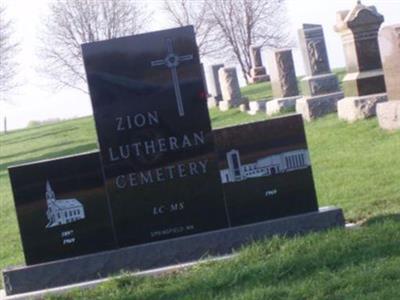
x=244 y=107
x=258 y=74
x=352 y=109
x=163 y=253
x=226 y=105
x=281 y=105
x=256 y=106
x=364 y=83
x=320 y=84
x=312 y=107
x=212 y=102
x=261 y=78
x=389 y=115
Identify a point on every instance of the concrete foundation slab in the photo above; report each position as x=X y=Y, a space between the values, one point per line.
x=312 y=107
x=352 y=109
x=257 y=106
x=281 y=105
x=159 y=254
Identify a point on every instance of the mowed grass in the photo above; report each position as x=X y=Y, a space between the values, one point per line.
x=358 y=264
x=355 y=166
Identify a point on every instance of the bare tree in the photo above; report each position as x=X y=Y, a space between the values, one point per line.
x=73 y=22
x=242 y=23
x=194 y=12
x=8 y=51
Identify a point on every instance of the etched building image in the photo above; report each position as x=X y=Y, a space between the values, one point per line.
x=266 y=166
x=61 y=212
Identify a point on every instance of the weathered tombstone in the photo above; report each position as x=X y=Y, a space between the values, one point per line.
x=230 y=89
x=154 y=135
x=257 y=71
x=213 y=85
x=363 y=84
x=320 y=86
x=265 y=170
x=61 y=207
x=283 y=81
x=389 y=42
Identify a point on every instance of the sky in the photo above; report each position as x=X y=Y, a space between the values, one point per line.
x=35 y=100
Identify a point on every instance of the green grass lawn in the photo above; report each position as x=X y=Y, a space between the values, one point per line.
x=355 y=167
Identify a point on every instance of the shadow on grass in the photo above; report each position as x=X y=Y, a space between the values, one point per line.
x=382 y=219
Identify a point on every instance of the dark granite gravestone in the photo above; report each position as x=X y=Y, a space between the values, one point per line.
x=154 y=133
x=62 y=208
x=265 y=170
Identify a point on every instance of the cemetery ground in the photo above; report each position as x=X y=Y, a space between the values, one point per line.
x=355 y=167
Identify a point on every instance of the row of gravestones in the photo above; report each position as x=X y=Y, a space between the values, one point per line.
x=364 y=84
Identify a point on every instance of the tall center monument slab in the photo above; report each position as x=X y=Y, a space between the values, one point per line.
x=283 y=81
x=155 y=137
x=389 y=42
x=364 y=84
x=320 y=85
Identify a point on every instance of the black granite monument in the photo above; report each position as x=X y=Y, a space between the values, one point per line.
x=161 y=173
x=62 y=208
x=154 y=133
x=265 y=170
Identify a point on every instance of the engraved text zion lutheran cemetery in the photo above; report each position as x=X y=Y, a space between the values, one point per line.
x=155 y=138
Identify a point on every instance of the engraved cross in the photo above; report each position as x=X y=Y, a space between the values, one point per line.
x=172 y=61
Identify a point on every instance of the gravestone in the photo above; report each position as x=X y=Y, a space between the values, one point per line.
x=283 y=81
x=213 y=84
x=230 y=89
x=157 y=190
x=62 y=207
x=389 y=43
x=257 y=71
x=154 y=133
x=265 y=170
x=320 y=86
x=363 y=84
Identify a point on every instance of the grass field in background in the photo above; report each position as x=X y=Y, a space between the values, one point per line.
x=355 y=166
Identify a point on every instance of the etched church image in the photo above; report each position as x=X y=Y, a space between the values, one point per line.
x=266 y=166
x=61 y=212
